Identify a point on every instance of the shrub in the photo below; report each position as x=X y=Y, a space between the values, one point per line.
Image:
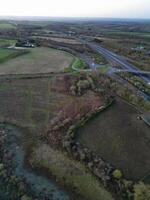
x=73 y=90
x=117 y=174
x=141 y=191
x=25 y=197
x=1 y=166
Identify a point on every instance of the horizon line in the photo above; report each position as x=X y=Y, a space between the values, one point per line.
x=75 y=17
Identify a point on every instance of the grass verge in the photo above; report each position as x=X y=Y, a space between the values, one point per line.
x=76 y=65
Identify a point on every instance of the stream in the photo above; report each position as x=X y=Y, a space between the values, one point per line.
x=39 y=185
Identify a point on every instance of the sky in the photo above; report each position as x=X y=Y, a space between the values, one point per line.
x=76 y=8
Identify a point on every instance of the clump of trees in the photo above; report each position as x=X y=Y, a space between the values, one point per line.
x=13 y=187
x=25 y=197
x=83 y=84
x=111 y=88
x=132 y=97
x=136 y=81
x=141 y=191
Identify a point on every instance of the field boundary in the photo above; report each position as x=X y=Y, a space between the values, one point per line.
x=93 y=161
x=82 y=122
x=145 y=120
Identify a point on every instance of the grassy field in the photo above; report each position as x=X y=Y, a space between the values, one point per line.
x=5 y=25
x=6 y=42
x=7 y=54
x=69 y=173
x=120 y=138
x=79 y=64
x=103 y=69
x=39 y=60
x=130 y=34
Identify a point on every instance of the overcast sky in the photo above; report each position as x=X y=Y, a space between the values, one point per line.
x=77 y=8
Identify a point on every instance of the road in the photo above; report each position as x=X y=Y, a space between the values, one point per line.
x=118 y=60
x=111 y=58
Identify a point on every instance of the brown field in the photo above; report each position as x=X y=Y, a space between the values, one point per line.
x=62 y=40
x=39 y=60
x=34 y=103
x=120 y=138
x=65 y=40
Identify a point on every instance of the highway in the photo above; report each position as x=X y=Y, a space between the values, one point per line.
x=119 y=61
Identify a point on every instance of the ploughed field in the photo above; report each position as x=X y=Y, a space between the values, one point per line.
x=120 y=138
x=37 y=60
x=35 y=102
x=59 y=39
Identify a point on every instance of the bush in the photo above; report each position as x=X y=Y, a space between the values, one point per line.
x=117 y=174
x=25 y=197
x=1 y=166
x=73 y=90
x=141 y=191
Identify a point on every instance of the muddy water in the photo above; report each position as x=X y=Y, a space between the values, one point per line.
x=38 y=184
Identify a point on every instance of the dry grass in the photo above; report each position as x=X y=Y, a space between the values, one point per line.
x=69 y=173
x=39 y=60
x=62 y=40
x=34 y=103
x=65 y=40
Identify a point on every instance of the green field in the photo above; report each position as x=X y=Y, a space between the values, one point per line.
x=125 y=33
x=39 y=60
x=7 y=54
x=103 y=69
x=69 y=173
x=6 y=42
x=5 y=25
